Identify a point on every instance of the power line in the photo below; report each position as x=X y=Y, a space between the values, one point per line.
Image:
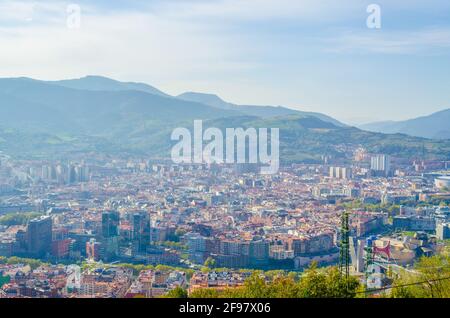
x=344 y=257
x=403 y=285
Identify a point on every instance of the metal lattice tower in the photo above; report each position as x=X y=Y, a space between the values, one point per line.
x=369 y=260
x=344 y=259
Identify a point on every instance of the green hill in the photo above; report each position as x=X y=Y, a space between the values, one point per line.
x=50 y=118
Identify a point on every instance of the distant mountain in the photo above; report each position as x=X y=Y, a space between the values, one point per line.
x=49 y=119
x=434 y=126
x=30 y=116
x=208 y=99
x=52 y=108
x=306 y=139
x=251 y=110
x=100 y=83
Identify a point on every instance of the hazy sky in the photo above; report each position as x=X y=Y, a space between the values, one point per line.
x=306 y=54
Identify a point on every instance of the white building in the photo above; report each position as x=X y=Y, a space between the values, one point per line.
x=442 y=182
x=380 y=163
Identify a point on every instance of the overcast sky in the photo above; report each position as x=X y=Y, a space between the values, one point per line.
x=306 y=54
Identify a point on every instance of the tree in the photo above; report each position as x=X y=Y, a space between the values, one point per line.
x=393 y=210
x=339 y=286
x=177 y=292
x=210 y=262
x=18 y=218
x=313 y=283
x=34 y=263
x=4 y=280
x=430 y=280
x=255 y=287
x=284 y=287
x=205 y=293
x=327 y=283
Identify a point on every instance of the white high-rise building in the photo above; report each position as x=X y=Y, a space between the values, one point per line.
x=340 y=173
x=380 y=163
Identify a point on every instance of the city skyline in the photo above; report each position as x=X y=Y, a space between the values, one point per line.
x=232 y=149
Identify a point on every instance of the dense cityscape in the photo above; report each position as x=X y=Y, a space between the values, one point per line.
x=217 y=157
x=118 y=227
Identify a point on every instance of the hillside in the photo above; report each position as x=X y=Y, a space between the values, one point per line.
x=47 y=118
x=100 y=83
x=253 y=110
x=435 y=126
x=306 y=139
x=54 y=109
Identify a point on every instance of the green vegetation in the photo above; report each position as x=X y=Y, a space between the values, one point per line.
x=177 y=292
x=392 y=209
x=137 y=268
x=431 y=280
x=173 y=244
x=176 y=237
x=210 y=262
x=33 y=263
x=313 y=283
x=305 y=139
x=18 y=218
x=302 y=139
x=4 y=280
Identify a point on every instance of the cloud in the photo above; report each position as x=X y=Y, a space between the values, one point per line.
x=124 y=44
x=15 y=13
x=252 y=10
x=247 y=51
x=144 y=40
x=423 y=41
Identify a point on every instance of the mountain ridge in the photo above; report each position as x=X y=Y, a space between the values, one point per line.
x=433 y=126
x=47 y=119
x=253 y=110
x=102 y=83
